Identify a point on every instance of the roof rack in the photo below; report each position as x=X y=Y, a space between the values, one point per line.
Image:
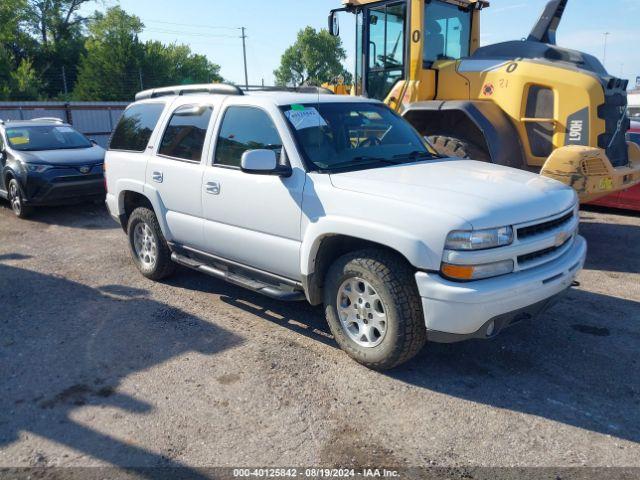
x=211 y=88
x=47 y=119
x=301 y=89
x=223 y=89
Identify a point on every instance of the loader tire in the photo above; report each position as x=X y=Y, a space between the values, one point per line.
x=448 y=146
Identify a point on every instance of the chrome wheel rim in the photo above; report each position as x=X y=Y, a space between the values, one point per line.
x=362 y=313
x=145 y=245
x=14 y=198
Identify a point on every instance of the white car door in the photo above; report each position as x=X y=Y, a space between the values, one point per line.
x=175 y=171
x=252 y=219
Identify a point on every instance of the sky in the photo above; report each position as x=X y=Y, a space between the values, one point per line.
x=211 y=27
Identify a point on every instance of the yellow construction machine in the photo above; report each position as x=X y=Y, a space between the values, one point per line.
x=528 y=104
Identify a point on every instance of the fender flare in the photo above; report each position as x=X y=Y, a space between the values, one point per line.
x=501 y=136
x=412 y=248
x=150 y=194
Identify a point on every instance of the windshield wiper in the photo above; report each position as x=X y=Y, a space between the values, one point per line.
x=363 y=161
x=415 y=155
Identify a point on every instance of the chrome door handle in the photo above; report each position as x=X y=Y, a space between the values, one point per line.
x=157 y=177
x=213 y=188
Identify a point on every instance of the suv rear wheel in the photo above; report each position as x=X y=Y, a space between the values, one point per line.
x=149 y=248
x=373 y=308
x=16 y=200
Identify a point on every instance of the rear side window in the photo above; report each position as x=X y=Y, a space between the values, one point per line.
x=135 y=127
x=184 y=136
x=245 y=128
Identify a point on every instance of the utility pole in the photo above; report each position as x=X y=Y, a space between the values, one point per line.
x=604 y=57
x=140 y=75
x=64 y=81
x=244 y=52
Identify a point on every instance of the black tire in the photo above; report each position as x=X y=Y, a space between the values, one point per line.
x=16 y=199
x=393 y=281
x=449 y=146
x=162 y=266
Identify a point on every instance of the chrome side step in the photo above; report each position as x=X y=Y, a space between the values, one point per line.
x=278 y=292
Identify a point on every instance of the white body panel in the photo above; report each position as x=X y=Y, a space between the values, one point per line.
x=277 y=224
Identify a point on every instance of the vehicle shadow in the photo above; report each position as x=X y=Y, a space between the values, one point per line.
x=572 y=365
x=299 y=317
x=87 y=216
x=609 y=245
x=56 y=357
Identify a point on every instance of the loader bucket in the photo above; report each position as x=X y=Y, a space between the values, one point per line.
x=589 y=171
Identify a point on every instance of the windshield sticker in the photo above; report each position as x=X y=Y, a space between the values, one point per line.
x=19 y=140
x=297 y=107
x=307 y=118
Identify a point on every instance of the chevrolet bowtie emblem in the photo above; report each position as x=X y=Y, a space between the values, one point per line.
x=561 y=238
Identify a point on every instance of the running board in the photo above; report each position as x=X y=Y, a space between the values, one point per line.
x=273 y=291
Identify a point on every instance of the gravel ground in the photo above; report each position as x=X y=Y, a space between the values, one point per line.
x=99 y=366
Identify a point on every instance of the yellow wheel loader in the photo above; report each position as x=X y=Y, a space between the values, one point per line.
x=528 y=104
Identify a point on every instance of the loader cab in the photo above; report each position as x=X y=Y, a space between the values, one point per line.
x=388 y=32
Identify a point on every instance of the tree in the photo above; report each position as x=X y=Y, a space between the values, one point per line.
x=164 y=65
x=6 y=66
x=110 y=68
x=53 y=20
x=315 y=58
x=25 y=82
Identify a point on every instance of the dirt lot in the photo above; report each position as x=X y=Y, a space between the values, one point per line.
x=99 y=366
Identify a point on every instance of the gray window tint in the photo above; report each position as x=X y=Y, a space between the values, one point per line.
x=245 y=128
x=447 y=32
x=135 y=127
x=184 y=136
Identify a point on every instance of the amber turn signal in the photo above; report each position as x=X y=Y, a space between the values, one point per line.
x=458 y=272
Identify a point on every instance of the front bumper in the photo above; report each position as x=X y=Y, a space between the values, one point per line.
x=63 y=185
x=458 y=311
x=70 y=192
x=589 y=171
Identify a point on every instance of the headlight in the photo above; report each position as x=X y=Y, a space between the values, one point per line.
x=477 y=272
x=34 y=168
x=479 y=239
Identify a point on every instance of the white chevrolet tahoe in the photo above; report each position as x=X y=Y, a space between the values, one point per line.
x=337 y=200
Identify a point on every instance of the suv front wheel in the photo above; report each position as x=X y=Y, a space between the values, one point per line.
x=16 y=199
x=373 y=308
x=149 y=248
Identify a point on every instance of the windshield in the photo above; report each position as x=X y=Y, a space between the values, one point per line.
x=48 y=137
x=335 y=136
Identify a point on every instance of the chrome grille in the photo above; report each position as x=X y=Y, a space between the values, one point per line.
x=540 y=254
x=540 y=228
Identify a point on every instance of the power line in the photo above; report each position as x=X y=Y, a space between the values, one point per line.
x=191 y=25
x=191 y=34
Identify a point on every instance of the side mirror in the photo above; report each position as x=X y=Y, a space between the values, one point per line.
x=334 y=25
x=262 y=162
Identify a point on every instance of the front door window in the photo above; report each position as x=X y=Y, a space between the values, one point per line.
x=386 y=48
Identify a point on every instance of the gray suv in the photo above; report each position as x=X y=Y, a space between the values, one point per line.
x=47 y=162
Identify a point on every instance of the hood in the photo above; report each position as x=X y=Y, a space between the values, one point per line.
x=483 y=194
x=71 y=157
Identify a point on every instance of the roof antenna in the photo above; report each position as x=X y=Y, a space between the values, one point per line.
x=545 y=29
